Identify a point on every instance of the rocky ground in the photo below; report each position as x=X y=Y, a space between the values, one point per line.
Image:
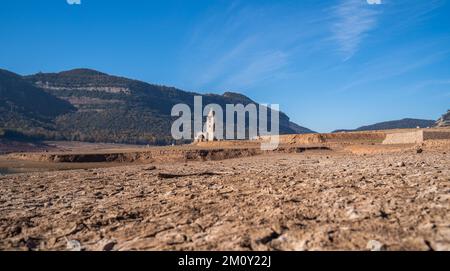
x=316 y=200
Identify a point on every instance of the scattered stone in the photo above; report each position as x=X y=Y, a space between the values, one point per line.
x=175 y=239
x=374 y=245
x=419 y=150
x=16 y=230
x=73 y=245
x=173 y=175
x=98 y=195
x=266 y=239
x=246 y=242
x=32 y=243
x=351 y=213
x=383 y=214
x=109 y=245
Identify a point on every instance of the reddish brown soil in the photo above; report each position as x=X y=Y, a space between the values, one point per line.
x=311 y=200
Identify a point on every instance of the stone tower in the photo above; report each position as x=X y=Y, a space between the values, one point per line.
x=209 y=131
x=211 y=126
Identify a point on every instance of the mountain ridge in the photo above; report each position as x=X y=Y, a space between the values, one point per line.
x=108 y=108
x=393 y=124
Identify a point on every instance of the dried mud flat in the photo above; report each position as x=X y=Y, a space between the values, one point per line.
x=315 y=200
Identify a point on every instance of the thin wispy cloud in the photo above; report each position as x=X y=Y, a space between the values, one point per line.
x=411 y=14
x=264 y=67
x=430 y=83
x=241 y=51
x=248 y=44
x=217 y=66
x=74 y=2
x=394 y=64
x=354 y=19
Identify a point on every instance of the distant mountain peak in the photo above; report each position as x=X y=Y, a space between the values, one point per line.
x=74 y=73
x=82 y=72
x=233 y=94
x=237 y=96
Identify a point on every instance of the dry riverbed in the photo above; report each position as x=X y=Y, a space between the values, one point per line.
x=315 y=200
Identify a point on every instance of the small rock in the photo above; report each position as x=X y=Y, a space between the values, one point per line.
x=401 y=164
x=419 y=150
x=374 y=245
x=383 y=214
x=16 y=230
x=151 y=168
x=300 y=245
x=246 y=242
x=32 y=243
x=73 y=245
x=98 y=195
x=176 y=239
x=109 y=245
x=351 y=213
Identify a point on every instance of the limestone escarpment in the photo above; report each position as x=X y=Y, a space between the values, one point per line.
x=444 y=121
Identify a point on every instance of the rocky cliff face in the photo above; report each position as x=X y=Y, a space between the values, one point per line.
x=444 y=121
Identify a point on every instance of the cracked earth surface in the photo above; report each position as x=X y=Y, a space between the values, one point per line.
x=308 y=201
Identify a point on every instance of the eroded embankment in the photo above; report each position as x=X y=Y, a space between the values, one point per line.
x=350 y=137
x=166 y=155
x=138 y=156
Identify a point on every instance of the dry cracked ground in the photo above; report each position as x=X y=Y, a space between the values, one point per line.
x=307 y=201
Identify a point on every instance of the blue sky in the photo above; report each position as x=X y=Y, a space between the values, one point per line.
x=329 y=64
